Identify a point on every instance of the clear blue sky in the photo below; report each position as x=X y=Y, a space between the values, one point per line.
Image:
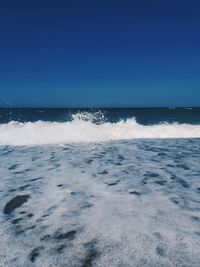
x=99 y=53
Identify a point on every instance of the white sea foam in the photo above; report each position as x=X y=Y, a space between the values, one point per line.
x=87 y=189
x=82 y=128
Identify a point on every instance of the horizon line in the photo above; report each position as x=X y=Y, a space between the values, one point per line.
x=100 y=107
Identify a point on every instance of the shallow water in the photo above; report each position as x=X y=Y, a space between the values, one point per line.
x=117 y=203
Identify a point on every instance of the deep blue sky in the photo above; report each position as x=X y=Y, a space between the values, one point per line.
x=99 y=53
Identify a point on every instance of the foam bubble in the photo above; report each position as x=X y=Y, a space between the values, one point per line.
x=88 y=128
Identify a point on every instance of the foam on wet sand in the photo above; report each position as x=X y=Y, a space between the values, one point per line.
x=124 y=203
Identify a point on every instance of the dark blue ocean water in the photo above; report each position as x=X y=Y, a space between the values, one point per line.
x=145 y=116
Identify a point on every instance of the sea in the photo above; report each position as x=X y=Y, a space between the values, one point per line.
x=100 y=187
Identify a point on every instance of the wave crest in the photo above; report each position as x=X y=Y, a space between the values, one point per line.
x=84 y=128
x=95 y=117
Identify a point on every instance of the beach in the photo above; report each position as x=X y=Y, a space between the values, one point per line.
x=100 y=133
x=125 y=203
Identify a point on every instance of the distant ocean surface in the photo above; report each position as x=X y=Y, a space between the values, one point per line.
x=105 y=188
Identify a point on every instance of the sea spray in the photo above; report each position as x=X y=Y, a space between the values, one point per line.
x=88 y=127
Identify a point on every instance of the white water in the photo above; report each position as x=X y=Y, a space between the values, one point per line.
x=85 y=130
x=86 y=188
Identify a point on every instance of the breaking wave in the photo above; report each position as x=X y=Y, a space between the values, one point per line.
x=87 y=127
